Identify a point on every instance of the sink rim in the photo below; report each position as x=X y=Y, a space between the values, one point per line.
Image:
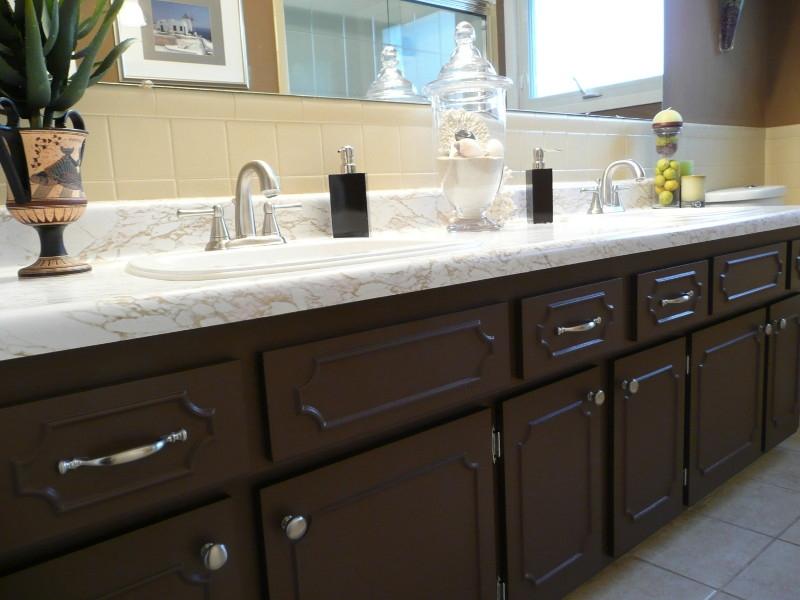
x=158 y=266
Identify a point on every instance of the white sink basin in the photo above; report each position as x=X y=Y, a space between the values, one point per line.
x=283 y=258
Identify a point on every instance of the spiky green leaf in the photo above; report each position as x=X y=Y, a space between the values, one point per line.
x=59 y=57
x=89 y=23
x=109 y=60
x=80 y=80
x=36 y=75
x=9 y=76
x=54 y=25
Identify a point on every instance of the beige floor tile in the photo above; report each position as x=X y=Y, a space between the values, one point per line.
x=780 y=467
x=753 y=504
x=774 y=575
x=792 y=443
x=632 y=579
x=703 y=549
x=792 y=534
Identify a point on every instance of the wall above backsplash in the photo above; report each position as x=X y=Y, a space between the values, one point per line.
x=148 y=143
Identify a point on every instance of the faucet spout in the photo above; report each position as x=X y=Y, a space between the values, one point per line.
x=608 y=196
x=268 y=184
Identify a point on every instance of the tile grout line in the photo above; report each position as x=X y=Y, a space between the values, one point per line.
x=668 y=570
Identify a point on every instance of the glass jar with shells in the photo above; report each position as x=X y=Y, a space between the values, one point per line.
x=469 y=117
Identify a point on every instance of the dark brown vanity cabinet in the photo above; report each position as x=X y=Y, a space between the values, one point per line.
x=726 y=400
x=554 y=453
x=649 y=410
x=782 y=410
x=414 y=519
x=205 y=554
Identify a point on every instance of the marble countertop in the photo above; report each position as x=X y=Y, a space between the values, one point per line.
x=109 y=304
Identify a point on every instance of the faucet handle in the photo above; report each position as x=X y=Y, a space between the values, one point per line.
x=595 y=208
x=219 y=236
x=271 y=225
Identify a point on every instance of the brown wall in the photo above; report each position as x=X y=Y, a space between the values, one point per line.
x=261 y=54
x=783 y=65
x=708 y=86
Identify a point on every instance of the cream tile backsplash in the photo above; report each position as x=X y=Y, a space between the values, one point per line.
x=782 y=157
x=167 y=143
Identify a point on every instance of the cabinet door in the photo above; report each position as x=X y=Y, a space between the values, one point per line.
x=726 y=401
x=205 y=554
x=555 y=462
x=414 y=519
x=783 y=373
x=648 y=442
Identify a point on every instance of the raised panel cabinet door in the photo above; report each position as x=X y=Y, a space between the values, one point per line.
x=782 y=413
x=554 y=453
x=794 y=265
x=341 y=389
x=205 y=554
x=649 y=405
x=726 y=401
x=414 y=519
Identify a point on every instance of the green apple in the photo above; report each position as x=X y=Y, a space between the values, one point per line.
x=662 y=164
x=670 y=173
x=665 y=198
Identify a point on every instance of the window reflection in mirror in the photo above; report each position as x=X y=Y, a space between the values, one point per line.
x=333 y=49
x=585 y=56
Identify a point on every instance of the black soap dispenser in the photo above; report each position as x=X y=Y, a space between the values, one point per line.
x=348 y=199
x=539 y=190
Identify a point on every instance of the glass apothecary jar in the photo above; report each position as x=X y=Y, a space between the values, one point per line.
x=667 y=126
x=469 y=118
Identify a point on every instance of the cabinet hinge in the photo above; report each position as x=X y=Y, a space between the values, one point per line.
x=688 y=364
x=685 y=477
x=497 y=446
x=501 y=589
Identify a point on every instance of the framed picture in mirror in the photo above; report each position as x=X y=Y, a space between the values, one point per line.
x=188 y=42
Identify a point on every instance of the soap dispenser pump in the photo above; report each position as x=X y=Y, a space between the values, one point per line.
x=539 y=190
x=348 y=191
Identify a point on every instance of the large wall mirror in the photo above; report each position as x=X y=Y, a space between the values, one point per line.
x=567 y=56
x=591 y=57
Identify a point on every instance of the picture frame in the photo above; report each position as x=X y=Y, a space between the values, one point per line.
x=187 y=42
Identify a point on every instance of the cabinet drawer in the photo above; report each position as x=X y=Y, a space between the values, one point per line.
x=413 y=519
x=200 y=409
x=161 y=561
x=331 y=391
x=747 y=278
x=794 y=265
x=668 y=299
x=566 y=328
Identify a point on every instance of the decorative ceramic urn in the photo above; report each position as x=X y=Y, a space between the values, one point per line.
x=45 y=190
x=469 y=114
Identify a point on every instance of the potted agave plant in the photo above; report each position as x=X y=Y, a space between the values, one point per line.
x=48 y=57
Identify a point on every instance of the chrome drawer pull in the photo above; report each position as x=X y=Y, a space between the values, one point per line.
x=126 y=456
x=682 y=299
x=588 y=326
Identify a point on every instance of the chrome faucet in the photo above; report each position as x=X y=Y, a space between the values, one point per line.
x=245 y=218
x=605 y=196
x=246 y=233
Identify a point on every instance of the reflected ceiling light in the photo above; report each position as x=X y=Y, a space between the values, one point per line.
x=131 y=14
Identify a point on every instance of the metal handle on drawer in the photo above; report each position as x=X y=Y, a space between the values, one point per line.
x=682 y=299
x=588 y=326
x=126 y=456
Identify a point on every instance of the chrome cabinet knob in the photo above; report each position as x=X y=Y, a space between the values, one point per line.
x=295 y=527
x=214 y=556
x=598 y=397
x=782 y=324
x=631 y=386
x=768 y=329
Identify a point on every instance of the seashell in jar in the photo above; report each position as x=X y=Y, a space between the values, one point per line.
x=495 y=149
x=469 y=148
